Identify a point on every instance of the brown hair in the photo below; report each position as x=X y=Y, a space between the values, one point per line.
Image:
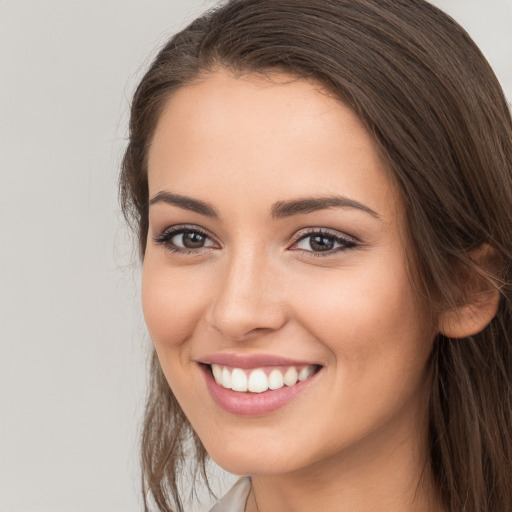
x=441 y=122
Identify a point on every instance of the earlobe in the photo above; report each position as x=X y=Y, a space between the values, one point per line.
x=481 y=299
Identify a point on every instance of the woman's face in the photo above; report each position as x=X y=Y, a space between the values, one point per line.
x=275 y=253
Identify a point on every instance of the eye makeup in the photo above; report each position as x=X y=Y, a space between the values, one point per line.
x=318 y=242
x=185 y=239
x=323 y=242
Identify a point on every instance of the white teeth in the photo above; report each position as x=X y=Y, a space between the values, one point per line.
x=275 y=380
x=217 y=373
x=238 y=380
x=291 y=376
x=306 y=372
x=257 y=381
x=226 y=378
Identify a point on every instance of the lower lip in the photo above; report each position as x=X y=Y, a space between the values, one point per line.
x=253 y=404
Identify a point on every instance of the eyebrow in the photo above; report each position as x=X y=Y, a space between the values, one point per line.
x=283 y=209
x=279 y=210
x=187 y=203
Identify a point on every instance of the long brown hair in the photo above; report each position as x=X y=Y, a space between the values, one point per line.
x=441 y=122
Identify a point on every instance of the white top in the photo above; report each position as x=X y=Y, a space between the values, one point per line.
x=236 y=498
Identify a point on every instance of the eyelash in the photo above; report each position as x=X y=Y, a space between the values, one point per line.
x=346 y=243
x=166 y=237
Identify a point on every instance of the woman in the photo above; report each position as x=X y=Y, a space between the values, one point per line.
x=322 y=193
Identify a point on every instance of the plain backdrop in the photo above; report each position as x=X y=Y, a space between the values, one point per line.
x=72 y=339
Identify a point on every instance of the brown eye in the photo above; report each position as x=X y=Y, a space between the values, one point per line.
x=189 y=240
x=185 y=240
x=320 y=242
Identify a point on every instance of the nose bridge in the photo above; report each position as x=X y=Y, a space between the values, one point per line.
x=247 y=299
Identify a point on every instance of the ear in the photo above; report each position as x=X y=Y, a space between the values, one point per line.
x=481 y=298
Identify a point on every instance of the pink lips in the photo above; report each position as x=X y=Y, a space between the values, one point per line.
x=251 y=404
x=247 y=361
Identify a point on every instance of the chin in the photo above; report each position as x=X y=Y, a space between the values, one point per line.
x=252 y=459
x=253 y=465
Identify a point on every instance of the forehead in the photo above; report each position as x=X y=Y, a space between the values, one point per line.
x=264 y=138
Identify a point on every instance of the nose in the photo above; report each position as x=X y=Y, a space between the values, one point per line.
x=248 y=301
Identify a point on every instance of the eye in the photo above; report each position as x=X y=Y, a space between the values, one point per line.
x=186 y=240
x=323 y=242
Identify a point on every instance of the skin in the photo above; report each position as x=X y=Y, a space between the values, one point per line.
x=356 y=440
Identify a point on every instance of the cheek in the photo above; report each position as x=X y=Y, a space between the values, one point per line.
x=171 y=302
x=379 y=340
x=365 y=314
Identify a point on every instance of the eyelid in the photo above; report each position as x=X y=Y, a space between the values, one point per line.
x=168 y=233
x=347 y=242
x=303 y=233
x=179 y=228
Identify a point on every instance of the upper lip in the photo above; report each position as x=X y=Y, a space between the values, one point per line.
x=247 y=361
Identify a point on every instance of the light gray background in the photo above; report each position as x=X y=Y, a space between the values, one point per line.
x=72 y=338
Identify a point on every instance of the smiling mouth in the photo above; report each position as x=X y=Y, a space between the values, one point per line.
x=259 y=380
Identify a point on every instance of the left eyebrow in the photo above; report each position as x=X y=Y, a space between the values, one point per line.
x=283 y=209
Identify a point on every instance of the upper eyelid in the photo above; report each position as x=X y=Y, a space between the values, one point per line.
x=165 y=236
x=300 y=233
x=324 y=231
x=179 y=228
x=298 y=236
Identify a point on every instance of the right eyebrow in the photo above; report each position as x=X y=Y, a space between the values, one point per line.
x=187 y=203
